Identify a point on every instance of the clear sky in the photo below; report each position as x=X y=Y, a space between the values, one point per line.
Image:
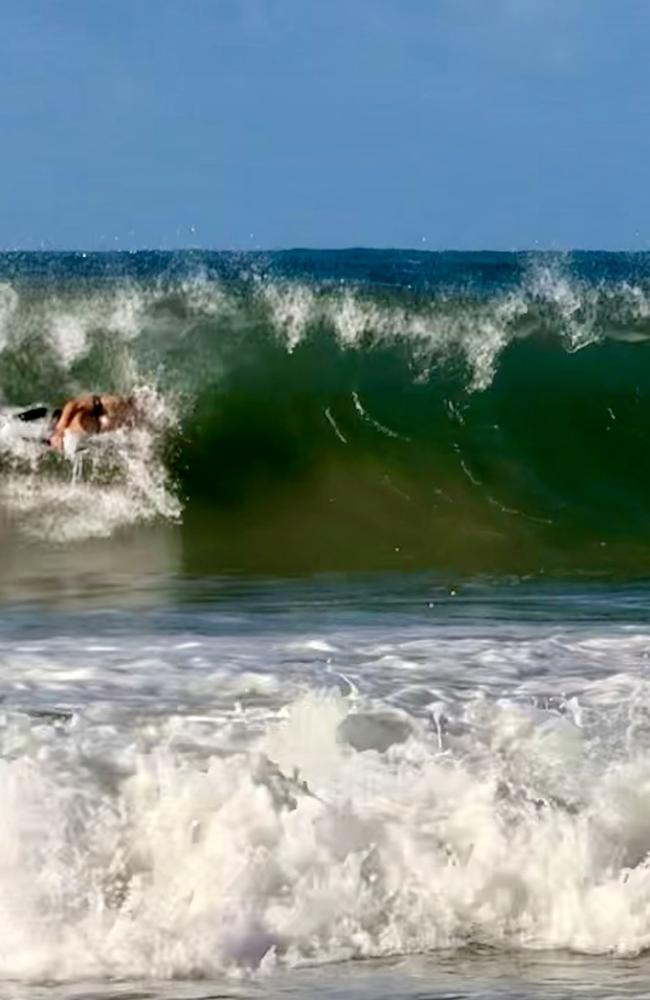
x=461 y=124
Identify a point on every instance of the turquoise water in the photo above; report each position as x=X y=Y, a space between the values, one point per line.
x=330 y=679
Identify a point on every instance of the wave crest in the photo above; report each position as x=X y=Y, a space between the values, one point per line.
x=491 y=418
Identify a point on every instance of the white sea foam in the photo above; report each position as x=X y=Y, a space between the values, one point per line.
x=174 y=808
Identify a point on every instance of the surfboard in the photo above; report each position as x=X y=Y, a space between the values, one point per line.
x=33 y=424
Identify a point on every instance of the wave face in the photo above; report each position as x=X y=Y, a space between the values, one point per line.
x=343 y=410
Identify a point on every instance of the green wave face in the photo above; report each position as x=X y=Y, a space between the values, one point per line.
x=358 y=412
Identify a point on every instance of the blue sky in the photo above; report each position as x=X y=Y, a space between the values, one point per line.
x=461 y=124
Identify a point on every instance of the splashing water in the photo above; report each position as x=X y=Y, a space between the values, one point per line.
x=114 y=481
x=201 y=805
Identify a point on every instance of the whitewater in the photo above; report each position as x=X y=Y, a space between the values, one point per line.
x=332 y=677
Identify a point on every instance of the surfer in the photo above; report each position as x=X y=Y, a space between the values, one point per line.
x=92 y=414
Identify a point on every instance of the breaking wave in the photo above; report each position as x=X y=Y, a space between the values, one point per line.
x=343 y=410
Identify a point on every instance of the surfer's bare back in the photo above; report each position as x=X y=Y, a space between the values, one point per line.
x=92 y=414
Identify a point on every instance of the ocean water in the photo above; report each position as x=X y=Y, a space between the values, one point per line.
x=333 y=677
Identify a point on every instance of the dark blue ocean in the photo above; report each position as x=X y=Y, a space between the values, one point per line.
x=330 y=677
